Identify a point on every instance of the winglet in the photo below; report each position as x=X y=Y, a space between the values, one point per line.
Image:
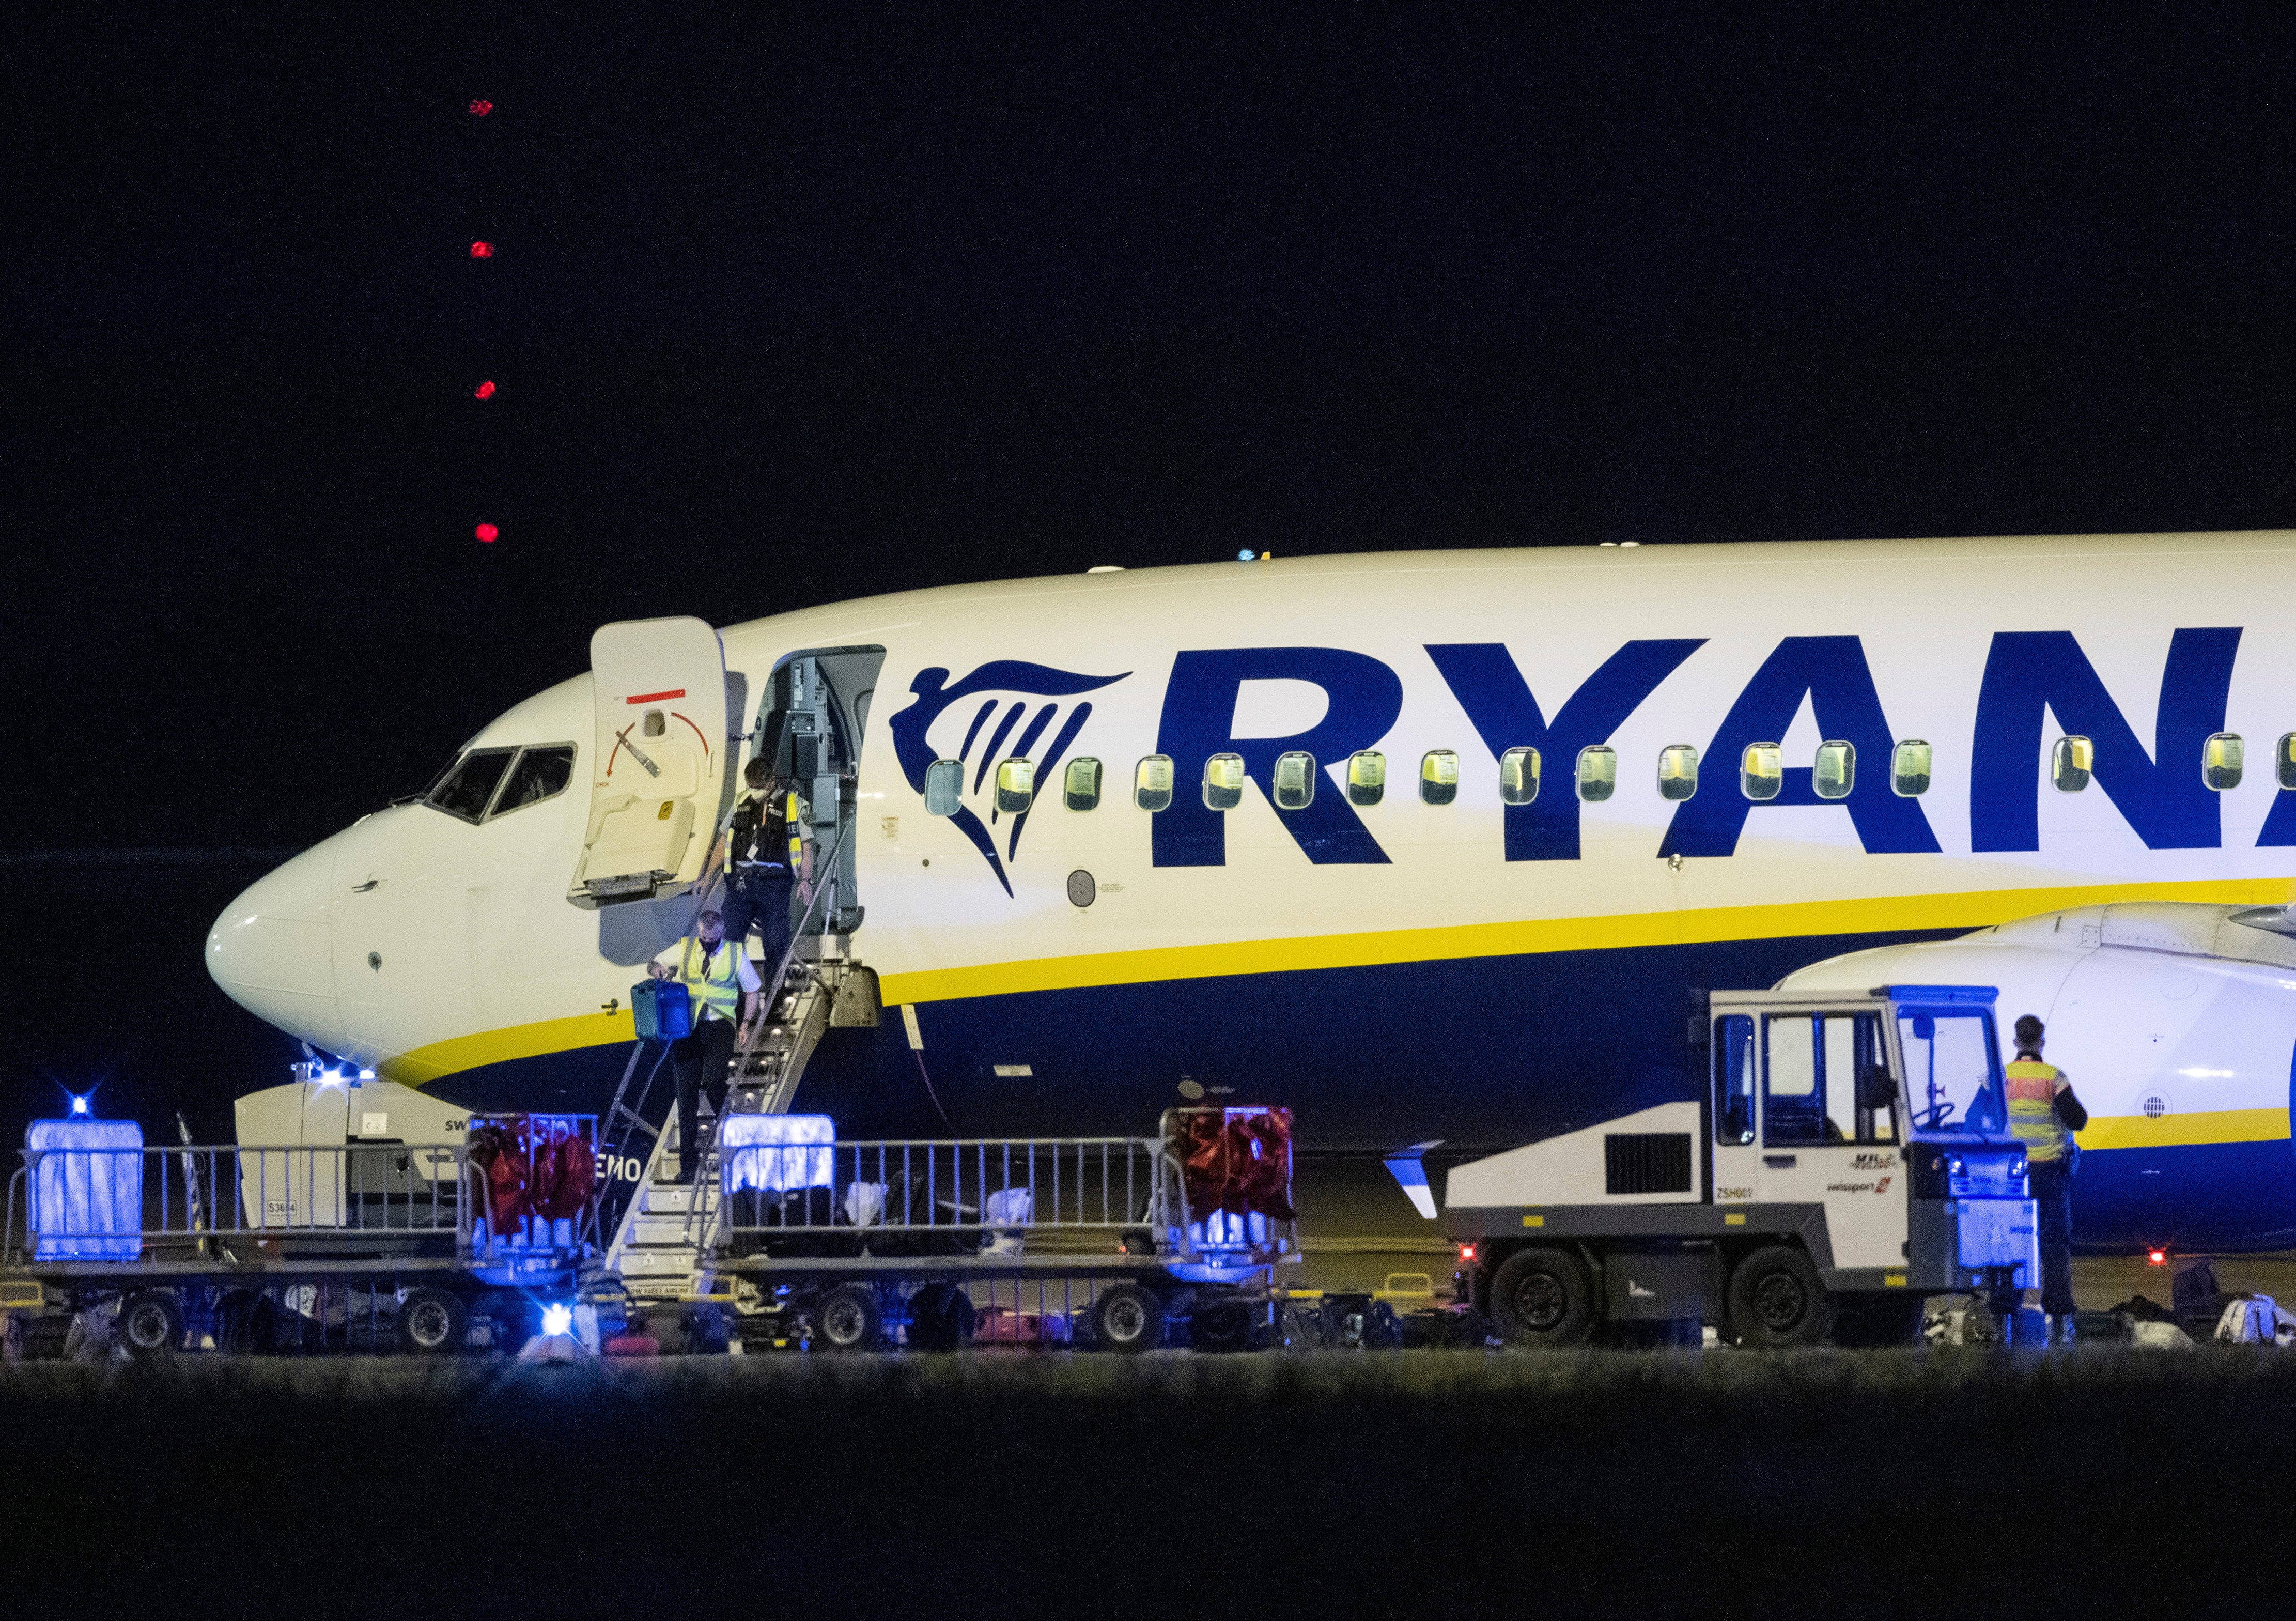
x=1411 y=1175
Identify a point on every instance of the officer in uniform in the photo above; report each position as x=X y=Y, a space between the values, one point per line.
x=760 y=861
x=2044 y=1113
x=718 y=977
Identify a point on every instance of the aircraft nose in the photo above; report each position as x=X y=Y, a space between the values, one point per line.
x=272 y=951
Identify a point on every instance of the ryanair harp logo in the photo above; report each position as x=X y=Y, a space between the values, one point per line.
x=1004 y=710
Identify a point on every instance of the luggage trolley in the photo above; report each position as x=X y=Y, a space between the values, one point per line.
x=294 y=1247
x=1095 y=1242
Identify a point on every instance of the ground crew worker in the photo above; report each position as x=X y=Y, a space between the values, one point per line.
x=719 y=978
x=761 y=862
x=2044 y=1113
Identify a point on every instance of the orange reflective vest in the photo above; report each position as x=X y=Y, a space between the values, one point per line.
x=2033 y=1110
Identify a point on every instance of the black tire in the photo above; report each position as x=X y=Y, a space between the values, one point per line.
x=1541 y=1299
x=1220 y=1327
x=432 y=1322
x=941 y=1318
x=151 y=1324
x=848 y=1318
x=1128 y=1319
x=1776 y=1301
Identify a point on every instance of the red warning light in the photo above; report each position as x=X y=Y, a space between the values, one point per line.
x=482 y=250
x=2157 y=1257
x=487 y=532
x=484 y=390
x=480 y=110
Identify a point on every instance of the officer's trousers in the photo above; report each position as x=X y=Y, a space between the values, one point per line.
x=2053 y=1187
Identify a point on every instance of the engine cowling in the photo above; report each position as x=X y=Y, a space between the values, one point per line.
x=2177 y=1025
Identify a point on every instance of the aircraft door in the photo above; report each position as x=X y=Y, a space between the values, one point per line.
x=657 y=760
x=816 y=710
x=1830 y=1132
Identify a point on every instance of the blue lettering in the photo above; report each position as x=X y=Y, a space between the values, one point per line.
x=1832 y=671
x=2160 y=795
x=1483 y=677
x=1365 y=697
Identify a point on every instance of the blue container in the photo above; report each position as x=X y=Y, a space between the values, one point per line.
x=88 y=1189
x=664 y=1010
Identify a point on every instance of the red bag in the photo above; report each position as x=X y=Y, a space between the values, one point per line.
x=574 y=1175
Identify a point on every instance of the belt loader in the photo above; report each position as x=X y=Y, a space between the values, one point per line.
x=1851 y=1155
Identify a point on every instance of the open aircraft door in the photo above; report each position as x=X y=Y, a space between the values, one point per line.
x=657 y=760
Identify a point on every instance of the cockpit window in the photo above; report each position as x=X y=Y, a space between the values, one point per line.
x=540 y=774
x=464 y=791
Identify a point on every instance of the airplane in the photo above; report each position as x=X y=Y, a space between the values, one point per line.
x=1436 y=844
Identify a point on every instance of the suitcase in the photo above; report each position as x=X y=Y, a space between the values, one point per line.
x=664 y=1010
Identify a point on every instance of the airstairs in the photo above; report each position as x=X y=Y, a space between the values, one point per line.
x=668 y=1229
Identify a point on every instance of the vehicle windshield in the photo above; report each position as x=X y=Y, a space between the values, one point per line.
x=1952 y=1071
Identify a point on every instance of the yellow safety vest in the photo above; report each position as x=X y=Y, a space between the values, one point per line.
x=2033 y=1110
x=716 y=990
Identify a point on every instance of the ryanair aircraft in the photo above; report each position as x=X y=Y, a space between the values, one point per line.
x=1435 y=845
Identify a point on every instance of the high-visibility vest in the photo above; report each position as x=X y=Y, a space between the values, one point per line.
x=2033 y=1110
x=713 y=977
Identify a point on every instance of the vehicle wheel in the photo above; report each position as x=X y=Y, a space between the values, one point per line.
x=1541 y=1298
x=1776 y=1300
x=1220 y=1327
x=941 y=1318
x=1128 y=1318
x=848 y=1318
x=431 y=1322
x=151 y=1324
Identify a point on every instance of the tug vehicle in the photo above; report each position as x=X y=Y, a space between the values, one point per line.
x=1851 y=1156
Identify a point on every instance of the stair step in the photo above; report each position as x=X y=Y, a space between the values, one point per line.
x=654 y=1197
x=657 y=1263
x=671 y=1229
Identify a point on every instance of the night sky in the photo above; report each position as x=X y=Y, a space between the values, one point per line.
x=792 y=305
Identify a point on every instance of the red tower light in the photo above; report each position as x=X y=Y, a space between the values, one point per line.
x=480 y=110
x=487 y=533
x=482 y=250
x=484 y=390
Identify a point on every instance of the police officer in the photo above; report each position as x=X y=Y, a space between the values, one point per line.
x=2044 y=1113
x=719 y=979
x=760 y=863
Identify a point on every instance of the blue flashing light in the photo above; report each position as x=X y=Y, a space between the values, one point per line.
x=80 y=1103
x=366 y=1074
x=1247 y=555
x=557 y=1320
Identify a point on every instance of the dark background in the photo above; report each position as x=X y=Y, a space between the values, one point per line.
x=792 y=305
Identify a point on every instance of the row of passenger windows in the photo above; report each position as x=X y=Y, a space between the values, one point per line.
x=1761 y=774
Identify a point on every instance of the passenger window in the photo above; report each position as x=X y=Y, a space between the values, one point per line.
x=1366 y=777
x=1909 y=768
x=2221 y=760
x=2283 y=759
x=1016 y=785
x=1152 y=782
x=1825 y=1080
x=540 y=774
x=1518 y=776
x=1439 y=777
x=657 y=724
x=1835 y=771
x=1733 y=1080
x=1677 y=771
x=1223 y=782
x=1598 y=772
x=1762 y=770
x=944 y=786
x=466 y=790
x=2071 y=763
x=1295 y=781
x=1081 y=789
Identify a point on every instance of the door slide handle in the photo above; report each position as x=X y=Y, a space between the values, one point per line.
x=1778 y=1162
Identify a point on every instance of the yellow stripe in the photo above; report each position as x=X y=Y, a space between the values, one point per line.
x=425 y=1064
x=2184 y=1131
x=1868 y=916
